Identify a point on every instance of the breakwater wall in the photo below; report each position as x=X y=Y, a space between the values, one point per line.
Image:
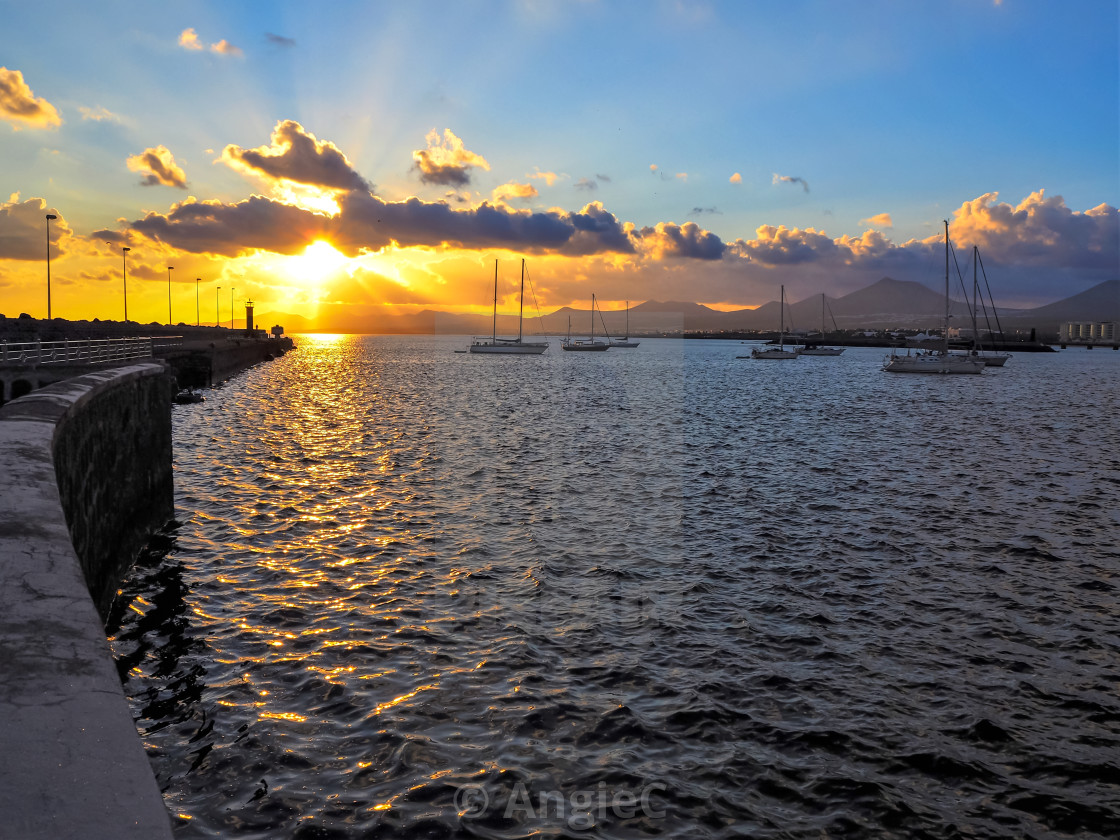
x=198 y=364
x=85 y=475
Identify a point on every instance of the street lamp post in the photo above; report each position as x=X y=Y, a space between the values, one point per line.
x=217 y=308
x=169 y=321
x=50 y=216
x=231 y=288
x=197 y=311
x=124 y=278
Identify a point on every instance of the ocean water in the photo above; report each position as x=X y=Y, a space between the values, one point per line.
x=661 y=592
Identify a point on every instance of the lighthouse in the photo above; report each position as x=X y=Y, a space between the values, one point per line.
x=249 y=317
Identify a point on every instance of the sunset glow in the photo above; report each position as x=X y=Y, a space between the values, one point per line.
x=322 y=161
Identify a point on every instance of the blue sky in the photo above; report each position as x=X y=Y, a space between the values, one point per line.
x=726 y=147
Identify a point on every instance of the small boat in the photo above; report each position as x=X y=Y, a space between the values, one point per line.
x=584 y=343
x=820 y=351
x=189 y=395
x=779 y=352
x=625 y=342
x=508 y=346
x=936 y=361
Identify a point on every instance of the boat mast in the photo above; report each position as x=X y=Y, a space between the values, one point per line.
x=946 y=334
x=521 y=313
x=975 y=286
x=592 y=317
x=782 y=321
x=494 y=331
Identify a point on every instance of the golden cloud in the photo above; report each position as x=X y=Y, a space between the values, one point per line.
x=158 y=167
x=20 y=106
x=446 y=161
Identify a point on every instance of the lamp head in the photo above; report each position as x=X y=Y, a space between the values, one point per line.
x=51 y=216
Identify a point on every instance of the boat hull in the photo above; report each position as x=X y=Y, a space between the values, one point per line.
x=773 y=355
x=933 y=363
x=625 y=343
x=585 y=345
x=509 y=349
x=821 y=351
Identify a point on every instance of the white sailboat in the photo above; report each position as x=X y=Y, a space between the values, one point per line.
x=584 y=343
x=779 y=352
x=992 y=358
x=820 y=350
x=935 y=361
x=507 y=346
x=625 y=342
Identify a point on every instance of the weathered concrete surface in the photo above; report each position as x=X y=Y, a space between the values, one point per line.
x=72 y=763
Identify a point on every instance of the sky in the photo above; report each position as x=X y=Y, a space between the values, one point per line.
x=345 y=160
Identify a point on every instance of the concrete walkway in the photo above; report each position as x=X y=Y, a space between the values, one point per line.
x=71 y=762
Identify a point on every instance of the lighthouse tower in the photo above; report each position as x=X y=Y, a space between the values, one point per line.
x=249 y=317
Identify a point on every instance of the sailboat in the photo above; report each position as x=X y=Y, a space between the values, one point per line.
x=584 y=344
x=779 y=352
x=625 y=342
x=936 y=361
x=992 y=358
x=508 y=346
x=820 y=350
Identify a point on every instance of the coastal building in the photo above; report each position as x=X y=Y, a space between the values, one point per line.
x=1089 y=332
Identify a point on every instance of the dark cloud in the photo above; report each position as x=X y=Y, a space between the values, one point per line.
x=446 y=162
x=279 y=40
x=296 y=155
x=212 y=227
x=606 y=179
x=367 y=222
x=791 y=179
x=705 y=211
x=586 y=184
x=158 y=168
x=23 y=229
x=688 y=240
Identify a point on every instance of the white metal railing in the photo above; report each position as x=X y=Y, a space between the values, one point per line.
x=83 y=351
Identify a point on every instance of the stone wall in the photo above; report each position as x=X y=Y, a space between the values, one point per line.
x=85 y=473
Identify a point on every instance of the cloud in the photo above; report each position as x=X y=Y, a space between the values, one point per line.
x=704 y=211
x=368 y=223
x=586 y=184
x=521 y=192
x=188 y=40
x=1039 y=231
x=158 y=167
x=23 y=228
x=279 y=40
x=606 y=179
x=20 y=106
x=446 y=161
x=688 y=240
x=97 y=114
x=295 y=154
x=681 y=176
x=782 y=246
x=549 y=178
x=736 y=178
x=224 y=47
x=879 y=220
x=791 y=179
x=653 y=167
x=212 y=227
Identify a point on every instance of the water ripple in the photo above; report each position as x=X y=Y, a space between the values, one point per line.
x=777 y=601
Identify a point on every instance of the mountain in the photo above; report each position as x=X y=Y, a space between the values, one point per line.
x=1100 y=303
x=885 y=304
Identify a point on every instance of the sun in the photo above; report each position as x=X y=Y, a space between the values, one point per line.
x=318 y=261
